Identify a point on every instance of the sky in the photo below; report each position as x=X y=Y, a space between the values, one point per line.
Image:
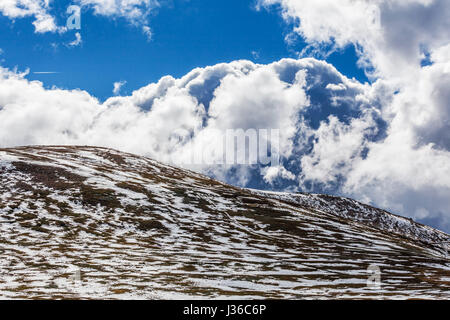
x=185 y=35
x=359 y=90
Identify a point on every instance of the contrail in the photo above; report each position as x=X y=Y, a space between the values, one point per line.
x=45 y=72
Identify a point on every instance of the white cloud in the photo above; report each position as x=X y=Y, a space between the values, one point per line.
x=174 y=117
x=135 y=12
x=147 y=32
x=39 y=9
x=391 y=33
x=255 y=54
x=338 y=146
x=117 y=86
x=78 y=40
x=271 y=174
x=27 y=109
x=408 y=169
x=247 y=102
x=336 y=87
x=236 y=95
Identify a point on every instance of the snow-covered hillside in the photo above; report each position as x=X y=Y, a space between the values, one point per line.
x=85 y=222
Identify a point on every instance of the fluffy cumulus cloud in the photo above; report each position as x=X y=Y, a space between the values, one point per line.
x=392 y=35
x=38 y=9
x=408 y=170
x=134 y=11
x=170 y=118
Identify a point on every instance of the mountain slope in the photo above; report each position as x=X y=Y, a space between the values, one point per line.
x=84 y=222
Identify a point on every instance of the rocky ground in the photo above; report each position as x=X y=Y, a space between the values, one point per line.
x=85 y=222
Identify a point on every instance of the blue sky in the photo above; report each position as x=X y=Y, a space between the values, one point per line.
x=186 y=35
